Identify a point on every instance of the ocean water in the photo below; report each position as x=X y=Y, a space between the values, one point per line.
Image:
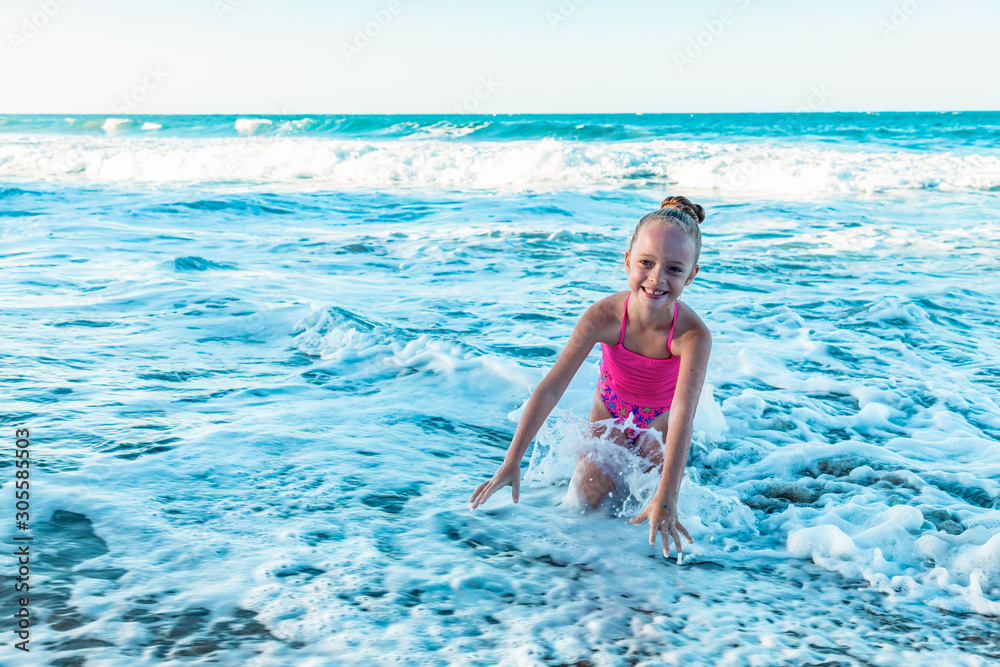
x=264 y=362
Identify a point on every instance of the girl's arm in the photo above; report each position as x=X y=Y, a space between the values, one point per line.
x=696 y=346
x=590 y=330
x=680 y=423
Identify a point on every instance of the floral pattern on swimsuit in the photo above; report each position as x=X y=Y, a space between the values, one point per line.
x=642 y=417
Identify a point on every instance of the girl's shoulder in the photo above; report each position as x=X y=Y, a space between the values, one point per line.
x=690 y=329
x=611 y=308
x=604 y=318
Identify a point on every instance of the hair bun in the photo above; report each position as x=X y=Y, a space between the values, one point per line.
x=684 y=204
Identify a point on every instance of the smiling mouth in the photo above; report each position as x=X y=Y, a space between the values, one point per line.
x=653 y=292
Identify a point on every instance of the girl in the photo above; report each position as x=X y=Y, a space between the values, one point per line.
x=654 y=352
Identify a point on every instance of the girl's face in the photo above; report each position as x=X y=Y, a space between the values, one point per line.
x=660 y=264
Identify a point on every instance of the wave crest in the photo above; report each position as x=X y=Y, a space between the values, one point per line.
x=537 y=165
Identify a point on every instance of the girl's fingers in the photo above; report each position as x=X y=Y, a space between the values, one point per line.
x=482 y=493
x=668 y=531
x=475 y=494
x=491 y=486
x=677 y=539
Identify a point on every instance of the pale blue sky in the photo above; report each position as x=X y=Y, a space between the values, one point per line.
x=264 y=56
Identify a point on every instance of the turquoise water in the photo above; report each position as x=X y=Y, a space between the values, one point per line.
x=943 y=131
x=266 y=360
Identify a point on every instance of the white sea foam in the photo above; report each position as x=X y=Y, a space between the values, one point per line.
x=536 y=165
x=339 y=341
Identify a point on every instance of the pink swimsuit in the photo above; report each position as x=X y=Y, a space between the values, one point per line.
x=632 y=383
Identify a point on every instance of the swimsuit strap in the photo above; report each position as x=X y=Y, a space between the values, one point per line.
x=670 y=338
x=621 y=338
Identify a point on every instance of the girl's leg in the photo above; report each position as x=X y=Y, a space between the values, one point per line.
x=592 y=481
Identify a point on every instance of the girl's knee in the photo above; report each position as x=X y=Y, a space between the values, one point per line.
x=590 y=482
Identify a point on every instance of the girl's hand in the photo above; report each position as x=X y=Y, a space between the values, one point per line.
x=507 y=475
x=663 y=517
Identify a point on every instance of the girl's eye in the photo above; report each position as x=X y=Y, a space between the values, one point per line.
x=645 y=262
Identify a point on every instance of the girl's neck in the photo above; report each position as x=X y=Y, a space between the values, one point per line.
x=643 y=316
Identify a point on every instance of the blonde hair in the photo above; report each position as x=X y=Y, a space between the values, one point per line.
x=679 y=212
